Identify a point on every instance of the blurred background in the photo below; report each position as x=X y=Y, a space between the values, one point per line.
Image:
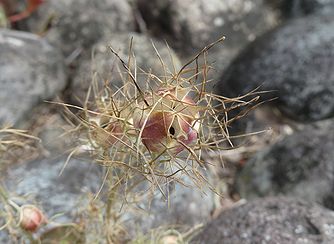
x=52 y=50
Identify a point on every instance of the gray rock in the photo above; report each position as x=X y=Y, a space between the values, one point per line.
x=49 y=123
x=186 y=207
x=56 y=193
x=295 y=62
x=77 y=25
x=190 y=25
x=62 y=196
x=297 y=8
x=299 y=165
x=104 y=66
x=68 y=194
x=30 y=71
x=269 y=221
x=193 y=24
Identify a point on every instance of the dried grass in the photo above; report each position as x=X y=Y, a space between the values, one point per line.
x=12 y=141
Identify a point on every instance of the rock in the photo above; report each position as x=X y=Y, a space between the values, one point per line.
x=53 y=134
x=60 y=197
x=68 y=193
x=77 y=25
x=106 y=67
x=187 y=206
x=299 y=165
x=298 y=8
x=193 y=24
x=27 y=74
x=56 y=193
x=295 y=63
x=50 y=123
x=270 y=220
x=190 y=25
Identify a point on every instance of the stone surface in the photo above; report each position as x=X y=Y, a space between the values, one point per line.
x=62 y=198
x=77 y=25
x=189 y=26
x=69 y=193
x=297 y=8
x=270 y=220
x=187 y=207
x=27 y=74
x=50 y=123
x=104 y=66
x=299 y=165
x=295 y=63
x=56 y=193
x=194 y=24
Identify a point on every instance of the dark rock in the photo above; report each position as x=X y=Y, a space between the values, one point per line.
x=296 y=62
x=299 y=165
x=104 y=66
x=77 y=25
x=27 y=74
x=271 y=220
x=298 y=8
x=190 y=25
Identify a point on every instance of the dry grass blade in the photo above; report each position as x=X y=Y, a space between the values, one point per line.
x=14 y=142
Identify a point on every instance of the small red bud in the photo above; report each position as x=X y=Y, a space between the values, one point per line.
x=31 y=218
x=171 y=124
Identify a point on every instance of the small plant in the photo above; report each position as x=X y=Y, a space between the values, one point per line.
x=149 y=136
x=17 y=220
x=20 y=222
x=31 y=218
x=24 y=222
